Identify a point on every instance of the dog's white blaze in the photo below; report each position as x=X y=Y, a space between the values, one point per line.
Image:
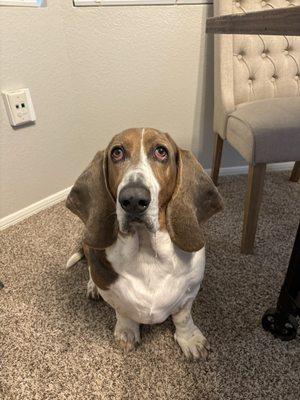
x=152 y=183
x=142 y=171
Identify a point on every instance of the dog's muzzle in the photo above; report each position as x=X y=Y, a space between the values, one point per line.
x=134 y=200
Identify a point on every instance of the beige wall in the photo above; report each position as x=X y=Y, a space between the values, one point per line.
x=93 y=72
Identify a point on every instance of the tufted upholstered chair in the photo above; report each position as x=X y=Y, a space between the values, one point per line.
x=256 y=103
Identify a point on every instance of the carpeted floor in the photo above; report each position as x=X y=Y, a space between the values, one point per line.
x=57 y=344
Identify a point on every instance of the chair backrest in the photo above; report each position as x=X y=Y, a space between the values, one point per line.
x=254 y=67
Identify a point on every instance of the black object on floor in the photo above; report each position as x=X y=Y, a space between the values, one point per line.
x=282 y=322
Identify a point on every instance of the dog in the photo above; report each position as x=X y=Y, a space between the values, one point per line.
x=143 y=201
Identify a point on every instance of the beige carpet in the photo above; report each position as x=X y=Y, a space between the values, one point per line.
x=56 y=344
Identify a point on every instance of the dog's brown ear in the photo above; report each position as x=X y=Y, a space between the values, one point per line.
x=195 y=200
x=91 y=200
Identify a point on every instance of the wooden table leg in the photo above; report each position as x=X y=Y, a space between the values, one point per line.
x=256 y=176
x=218 y=147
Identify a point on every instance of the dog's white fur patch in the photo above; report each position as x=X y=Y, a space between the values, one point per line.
x=92 y=291
x=156 y=279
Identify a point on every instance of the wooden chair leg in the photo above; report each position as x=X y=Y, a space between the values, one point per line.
x=295 y=175
x=218 y=147
x=253 y=199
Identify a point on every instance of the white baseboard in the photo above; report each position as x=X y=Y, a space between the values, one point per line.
x=33 y=208
x=59 y=196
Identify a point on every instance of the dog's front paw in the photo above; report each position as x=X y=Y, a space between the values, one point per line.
x=194 y=346
x=127 y=336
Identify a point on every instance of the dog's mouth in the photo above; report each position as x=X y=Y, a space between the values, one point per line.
x=133 y=221
x=137 y=220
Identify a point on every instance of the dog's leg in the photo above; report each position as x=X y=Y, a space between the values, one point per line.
x=92 y=291
x=127 y=333
x=188 y=336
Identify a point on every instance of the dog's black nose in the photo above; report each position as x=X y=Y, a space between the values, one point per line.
x=134 y=199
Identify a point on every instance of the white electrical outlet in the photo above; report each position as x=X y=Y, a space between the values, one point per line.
x=19 y=106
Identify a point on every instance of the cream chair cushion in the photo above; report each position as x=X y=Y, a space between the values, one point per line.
x=266 y=131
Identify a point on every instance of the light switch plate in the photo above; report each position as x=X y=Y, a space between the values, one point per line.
x=19 y=106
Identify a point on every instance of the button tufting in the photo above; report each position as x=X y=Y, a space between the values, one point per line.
x=274 y=77
x=263 y=3
x=297 y=77
x=239 y=56
x=286 y=52
x=264 y=55
x=250 y=81
x=237 y=4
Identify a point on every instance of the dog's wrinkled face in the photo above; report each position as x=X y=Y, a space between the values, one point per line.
x=142 y=172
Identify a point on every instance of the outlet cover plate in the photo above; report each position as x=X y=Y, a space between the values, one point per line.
x=19 y=106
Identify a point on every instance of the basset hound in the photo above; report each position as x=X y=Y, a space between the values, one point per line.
x=143 y=201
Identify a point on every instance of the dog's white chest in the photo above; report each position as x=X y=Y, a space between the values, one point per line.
x=155 y=277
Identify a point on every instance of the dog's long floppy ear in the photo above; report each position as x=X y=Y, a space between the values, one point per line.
x=195 y=200
x=91 y=200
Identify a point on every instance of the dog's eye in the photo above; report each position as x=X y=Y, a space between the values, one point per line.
x=117 y=153
x=161 y=153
